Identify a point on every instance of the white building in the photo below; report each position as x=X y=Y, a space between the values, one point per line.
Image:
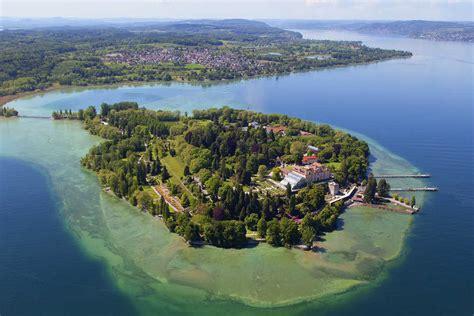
x=255 y=124
x=302 y=175
x=314 y=173
x=333 y=188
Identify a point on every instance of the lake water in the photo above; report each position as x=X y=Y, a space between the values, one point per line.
x=98 y=249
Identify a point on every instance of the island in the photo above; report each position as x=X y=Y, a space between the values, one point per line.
x=8 y=112
x=229 y=177
x=191 y=51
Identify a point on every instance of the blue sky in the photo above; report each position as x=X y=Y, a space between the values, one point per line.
x=271 y=9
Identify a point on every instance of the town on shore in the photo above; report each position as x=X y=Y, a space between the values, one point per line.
x=203 y=51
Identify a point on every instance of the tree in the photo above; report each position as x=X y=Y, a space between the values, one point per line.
x=90 y=112
x=312 y=197
x=191 y=232
x=164 y=174
x=413 y=201
x=307 y=235
x=288 y=191
x=141 y=173
x=297 y=148
x=273 y=236
x=144 y=200
x=290 y=234
x=276 y=174
x=292 y=205
x=383 y=188
x=370 y=189
x=210 y=234
x=262 y=227
x=155 y=167
x=213 y=184
x=262 y=171
x=186 y=171
x=185 y=200
x=251 y=221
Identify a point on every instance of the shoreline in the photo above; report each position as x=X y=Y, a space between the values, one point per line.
x=101 y=247
x=57 y=87
x=11 y=97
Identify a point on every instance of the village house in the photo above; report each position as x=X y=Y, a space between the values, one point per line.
x=277 y=130
x=254 y=124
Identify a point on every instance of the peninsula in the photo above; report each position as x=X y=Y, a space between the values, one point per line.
x=201 y=50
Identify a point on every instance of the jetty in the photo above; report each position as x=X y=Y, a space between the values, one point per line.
x=416 y=175
x=345 y=196
x=429 y=189
x=35 y=117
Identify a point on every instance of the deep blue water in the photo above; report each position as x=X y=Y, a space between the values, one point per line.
x=42 y=270
x=420 y=108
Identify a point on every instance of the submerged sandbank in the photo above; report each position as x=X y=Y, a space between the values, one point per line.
x=158 y=271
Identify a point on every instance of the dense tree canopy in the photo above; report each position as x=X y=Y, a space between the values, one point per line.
x=222 y=158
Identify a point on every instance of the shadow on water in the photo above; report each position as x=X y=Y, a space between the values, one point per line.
x=372 y=160
x=318 y=249
x=339 y=224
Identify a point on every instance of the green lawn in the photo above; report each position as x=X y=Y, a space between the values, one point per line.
x=334 y=165
x=175 y=167
x=194 y=66
x=151 y=192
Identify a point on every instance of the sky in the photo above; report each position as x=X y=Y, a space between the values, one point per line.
x=452 y=10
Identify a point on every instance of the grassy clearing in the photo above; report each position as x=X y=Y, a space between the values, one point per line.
x=150 y=191
x=194 y=66
x=175 y=167
x=334 y=166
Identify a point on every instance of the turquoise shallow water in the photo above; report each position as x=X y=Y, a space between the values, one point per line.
x=156 y=270
x=420 y=109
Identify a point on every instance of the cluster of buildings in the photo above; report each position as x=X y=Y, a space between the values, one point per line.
x=299 y=176
x=278 y=130
x=310 y=171
x=212 y=58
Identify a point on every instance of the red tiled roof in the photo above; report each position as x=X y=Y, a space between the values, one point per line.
x=308 y=158
x=278 y=129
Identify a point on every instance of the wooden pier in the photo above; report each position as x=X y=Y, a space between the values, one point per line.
x=429 y=189
x=417 y=175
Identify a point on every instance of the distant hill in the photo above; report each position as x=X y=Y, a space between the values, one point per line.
x=218 y=29
x=432 y=30
x=445 y=31
x=222 y=29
